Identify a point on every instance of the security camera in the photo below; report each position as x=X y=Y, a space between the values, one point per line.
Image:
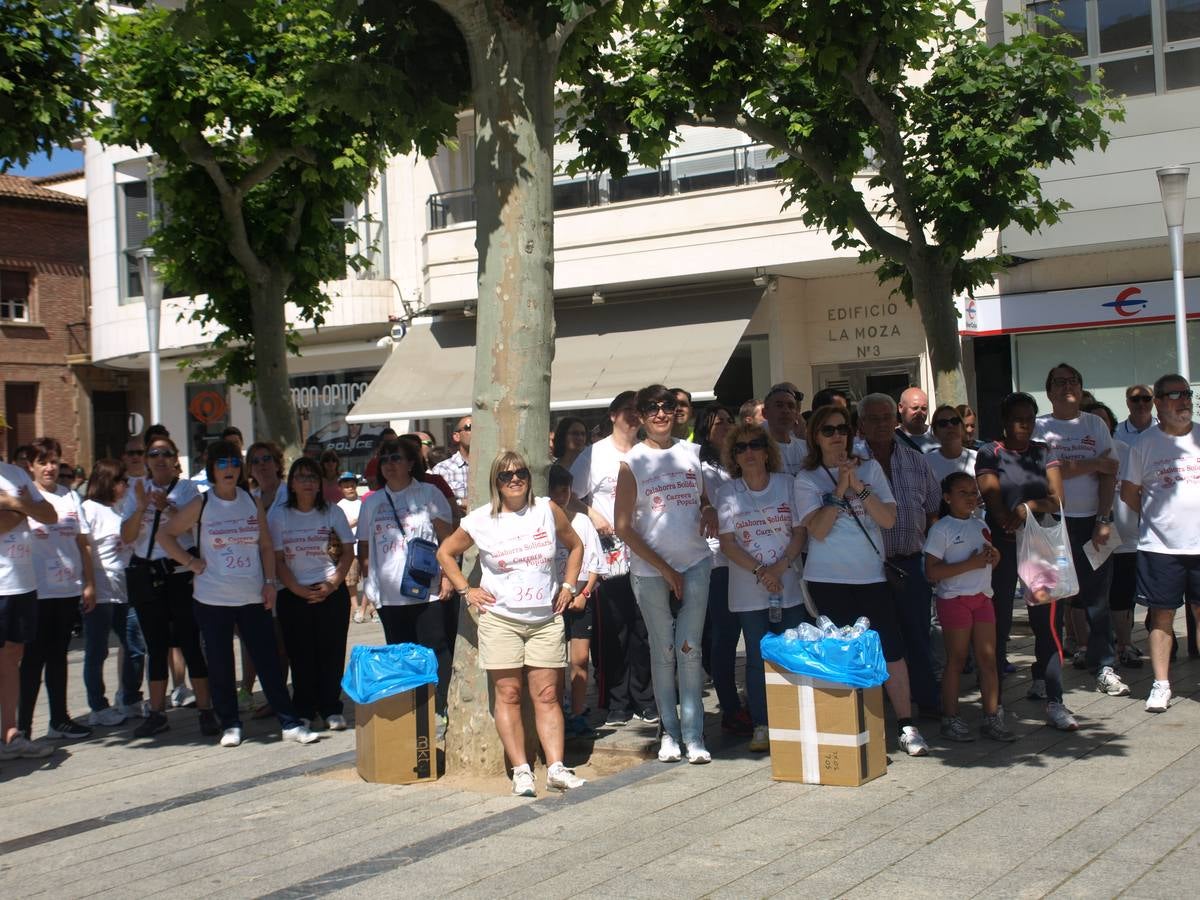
x=399 y=329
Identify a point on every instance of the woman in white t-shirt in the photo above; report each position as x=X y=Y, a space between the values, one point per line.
x=402 y=511
x=235 y=587
x=660 y=507
x=110 y=557
x=761 y=537
x=519 y=605
x=313 y=605
x=63 y=560
x=844 y=501
x=952 y=454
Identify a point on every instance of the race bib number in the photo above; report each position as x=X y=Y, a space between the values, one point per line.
x=527 y=596
x=236 y=558
x=58 y=572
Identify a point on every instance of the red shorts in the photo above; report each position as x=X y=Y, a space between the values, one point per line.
x=962 y=612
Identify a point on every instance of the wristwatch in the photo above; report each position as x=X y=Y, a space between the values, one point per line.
x=570 y=587
x=1105 y=520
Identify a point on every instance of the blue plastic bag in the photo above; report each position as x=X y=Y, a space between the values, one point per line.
x=378 y=672
x=856 y=662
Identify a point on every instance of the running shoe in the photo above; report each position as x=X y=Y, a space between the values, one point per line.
x=358 y=618
x=1037 y=689
x=183 y=696
x=668 y=749
x=21 y=747
x=338 y=723
x=560 y=778
x=69 y=730
x=156 y=723
x=1079 y=659
x=617 y=718
x=1160 y=697
x=993 y=727
x=697 y=755
x=107 y=717
x=300 y=734
x=739 y=723
x=1130 y=657
x=761 y=742
x=1109 y=682
x=955 y=729
x=647 y=717
x=1060 y=717
x=210 y=726
x=231 y=737
x=138 y=710
x=523 y=785
x=912 y=743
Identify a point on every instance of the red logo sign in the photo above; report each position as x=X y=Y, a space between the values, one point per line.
x=208 y=407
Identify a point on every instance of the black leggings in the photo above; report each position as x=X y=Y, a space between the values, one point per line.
x=48 y=652
x=168 y=621
x=1046 y=621
x=315 y=637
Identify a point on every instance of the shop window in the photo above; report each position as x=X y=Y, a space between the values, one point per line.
x=14 y=296
x=1136 y=47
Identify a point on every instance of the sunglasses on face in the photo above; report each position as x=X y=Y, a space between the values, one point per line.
x=1140 y=398
x=466 y=427
x=228 y=462
x=143 y=452
x=161 y=454
x=393 y=458
x=1174 y=395
x=831 y=430
x=668 y=406
x=741 y=447
x=1070 y=381
x=942 y=423
x=521 y=474
x=262 y=458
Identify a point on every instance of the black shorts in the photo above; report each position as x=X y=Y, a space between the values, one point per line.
x=18 y=618
x=1124 y=581
x=844 y=603
x=1164 y=580
x=578 y=624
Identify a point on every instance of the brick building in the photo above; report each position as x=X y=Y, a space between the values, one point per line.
x=49 y=386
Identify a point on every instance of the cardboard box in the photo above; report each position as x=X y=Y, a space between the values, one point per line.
x=823 y=732
x=395 y=738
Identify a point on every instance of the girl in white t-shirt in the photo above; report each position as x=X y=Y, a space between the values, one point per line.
x=313 y=605
x=62 y=558
x=958 y=558
x=663 y=514
x=519 y=604
x=110 y=557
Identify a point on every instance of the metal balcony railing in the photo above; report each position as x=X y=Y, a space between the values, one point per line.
x=682 y=174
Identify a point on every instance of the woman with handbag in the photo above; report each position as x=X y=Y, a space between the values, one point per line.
x=1012 y=473
x=313 y=551
x=160 y=589
x=844 y=501
x=235 y=586
x=399 y=528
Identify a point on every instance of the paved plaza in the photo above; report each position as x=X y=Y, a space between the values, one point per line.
x=1110 y=810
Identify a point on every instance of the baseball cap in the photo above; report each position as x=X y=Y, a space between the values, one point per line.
x=348 y=476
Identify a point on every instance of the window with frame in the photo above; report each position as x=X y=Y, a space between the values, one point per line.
x=135 y=200
x=14 y=296
x=1136 y=47
x=368 y=221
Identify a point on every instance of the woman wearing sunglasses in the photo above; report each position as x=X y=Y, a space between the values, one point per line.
x=314 y=604
x=235 y=587
x=761 y=537
x=264 y=460
x=401 y=511
x=663 y=515
x=953 y=455
x=844 y=501
x=519 y=604
x=165 y=612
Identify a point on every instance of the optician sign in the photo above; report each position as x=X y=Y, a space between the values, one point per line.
x=1135 y=303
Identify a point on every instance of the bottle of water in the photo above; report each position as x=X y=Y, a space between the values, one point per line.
x=775 y=608
x=808 y=632
x=828 y=629
x=861 y=625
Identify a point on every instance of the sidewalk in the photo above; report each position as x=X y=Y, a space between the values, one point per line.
x=1111 y=809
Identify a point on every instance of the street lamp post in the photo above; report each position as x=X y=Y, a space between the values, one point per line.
x=1172 y=184
x=152 y=294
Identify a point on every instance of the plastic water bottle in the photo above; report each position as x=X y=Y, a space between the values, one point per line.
x=1062 y=564
x=861 y=625
x=775 y=608
x=828 y=629
x=807 y=632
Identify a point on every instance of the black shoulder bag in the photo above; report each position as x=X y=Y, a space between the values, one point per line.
x=896 y=576
x=145 y=577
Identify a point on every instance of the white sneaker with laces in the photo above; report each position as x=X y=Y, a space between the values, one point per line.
x=22 y=747
x=336 y=723
x=300 y=734
x=911 y=741
x=668 y=749
x=232 y=737
x=560 y=778
x=183 y=696
x=1109 y=682
x=108 y=717
x=697 y=755
x=1060 y=717
x=1160 y=697
x=523 y=785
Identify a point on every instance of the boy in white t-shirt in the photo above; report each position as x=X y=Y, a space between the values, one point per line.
x=959 y=557
x=579 y=616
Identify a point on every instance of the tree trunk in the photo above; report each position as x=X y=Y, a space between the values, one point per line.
x=272 y=392
x=934 y=296
x=513 y=72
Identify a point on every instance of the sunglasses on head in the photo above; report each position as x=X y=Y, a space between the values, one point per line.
x=161 y=453
x=1174 y=395
x=831 y=430
x=228 y=462
x=650 y=409
x=393 y=458
x=521 y=474
x=740 y=447
x=942 y=423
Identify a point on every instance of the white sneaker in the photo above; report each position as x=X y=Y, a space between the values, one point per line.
x=336 y=723
x=22 y=747
x=183 y=696
x=912 y=743
x=697 y=755
x=560 y=778
x=1037 y=689
x=108 y=717
x=668 y=749
x=1160 y=697
x=232 y=737
x=138 y=710
x=523 y=785
x=1109 y=682
x=300 y=734
x=1060 y=717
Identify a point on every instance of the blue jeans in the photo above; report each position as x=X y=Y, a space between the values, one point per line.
x=721 y=633
x=914 y=614
x=677 y=639
x=756 y=624
x=123 y=622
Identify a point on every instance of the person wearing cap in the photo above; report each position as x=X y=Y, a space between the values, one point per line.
x=781 y=409
x=350 y=504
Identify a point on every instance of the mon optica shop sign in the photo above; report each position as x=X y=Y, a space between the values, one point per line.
x=1134 y=303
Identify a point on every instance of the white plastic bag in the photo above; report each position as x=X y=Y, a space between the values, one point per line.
x=1044 y=562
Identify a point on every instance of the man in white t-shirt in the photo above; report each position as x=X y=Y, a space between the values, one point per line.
x=781 y=410
x=1162 y=482
x=1138 y=400
x=622 y=645
x=1088 y=461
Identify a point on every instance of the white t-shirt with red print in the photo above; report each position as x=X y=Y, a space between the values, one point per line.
x=517 y=553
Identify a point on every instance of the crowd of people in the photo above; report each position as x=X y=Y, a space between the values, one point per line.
x=664 y=542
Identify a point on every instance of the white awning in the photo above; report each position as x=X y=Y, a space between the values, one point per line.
x=599 y=352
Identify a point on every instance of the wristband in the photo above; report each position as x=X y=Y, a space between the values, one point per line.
x=462 y=592
x=865 y=492
x=585 y=594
